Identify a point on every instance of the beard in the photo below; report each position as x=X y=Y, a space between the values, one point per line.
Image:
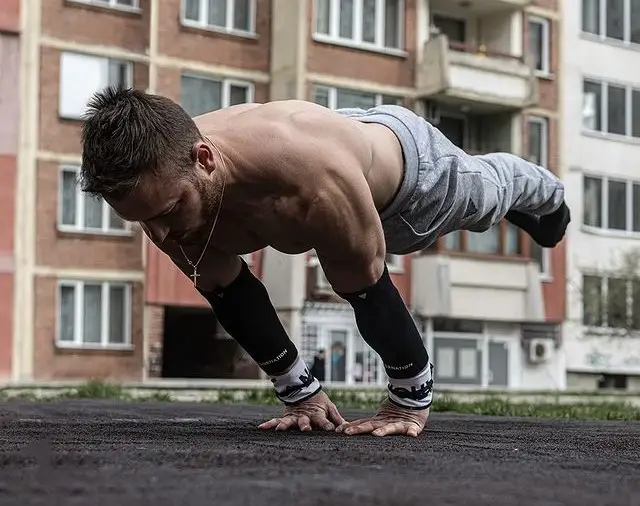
x=210 y=194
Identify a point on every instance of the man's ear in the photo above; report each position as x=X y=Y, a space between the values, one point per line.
x=202 y=155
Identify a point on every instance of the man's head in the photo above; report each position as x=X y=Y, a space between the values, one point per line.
x=146 y=157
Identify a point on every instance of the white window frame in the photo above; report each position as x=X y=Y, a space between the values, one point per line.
x=111 y=4
x=604 y=209
x=78 y=227
x=62 y=108
x=604 y=109
x=602 y=26
x=379 y=45
x=228 y=28
x=78 y=314
x=544 y=122
x=226 y=86
x=604 y=290
x=332 y=92
x=546 y=45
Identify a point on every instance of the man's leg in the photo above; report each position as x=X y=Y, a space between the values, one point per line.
x=530 y=196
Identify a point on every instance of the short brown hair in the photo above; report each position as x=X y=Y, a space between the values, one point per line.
x=127 y=132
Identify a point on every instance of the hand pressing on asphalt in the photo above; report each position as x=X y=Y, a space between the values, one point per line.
x=390 y=419
x=317 y=412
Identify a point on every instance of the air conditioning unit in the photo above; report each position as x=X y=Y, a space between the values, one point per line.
x=322 y=283
x=540 y=350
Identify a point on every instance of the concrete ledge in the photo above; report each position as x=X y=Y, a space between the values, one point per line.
x=262 y=391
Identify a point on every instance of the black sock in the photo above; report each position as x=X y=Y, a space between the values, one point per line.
x=387 y=326
x=547 y=230
x=245 y=311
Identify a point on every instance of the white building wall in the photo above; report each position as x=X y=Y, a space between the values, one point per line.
x=587 y=56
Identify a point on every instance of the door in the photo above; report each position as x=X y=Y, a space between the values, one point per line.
x=337 y=348
x=454 y=128
x=498 y=363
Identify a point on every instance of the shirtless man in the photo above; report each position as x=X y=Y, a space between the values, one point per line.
x=352 y=184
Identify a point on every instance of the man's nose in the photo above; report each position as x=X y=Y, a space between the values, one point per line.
x=158 y=231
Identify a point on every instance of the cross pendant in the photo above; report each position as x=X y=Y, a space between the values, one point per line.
x=195 y=276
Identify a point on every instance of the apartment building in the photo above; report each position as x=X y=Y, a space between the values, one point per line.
x=9 y=131
x=601 y=132
x=97 y=301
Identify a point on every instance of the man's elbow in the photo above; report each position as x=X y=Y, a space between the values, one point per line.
x=355 y=276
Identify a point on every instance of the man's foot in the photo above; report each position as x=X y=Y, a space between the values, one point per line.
x=547 y=230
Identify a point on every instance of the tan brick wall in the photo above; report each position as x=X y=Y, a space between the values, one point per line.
x=57 y=134
x=215 y=47
x=70 y=20
x=74 y=250
x=367 y=65
x=53 y=363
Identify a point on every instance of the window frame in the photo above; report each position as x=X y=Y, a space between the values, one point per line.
x=333 y=37
x=604 y=109
x=65 y=115
x=78 y=314
x=601 y=36
x=603 y=304
x=545 y=71
x=203 y=24
x=226 y=83
x=604 y=206
x=544 y=147
x=332 y=93
x=78 y=227
x=110 y=4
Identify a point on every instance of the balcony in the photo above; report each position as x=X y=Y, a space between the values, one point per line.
x=480 y=7
x=471 y=77
x=476 y=288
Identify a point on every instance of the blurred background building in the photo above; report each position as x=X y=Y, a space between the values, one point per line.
x=83 y=295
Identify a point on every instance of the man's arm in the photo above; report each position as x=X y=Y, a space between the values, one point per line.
x=243 y=308
x=349 y=241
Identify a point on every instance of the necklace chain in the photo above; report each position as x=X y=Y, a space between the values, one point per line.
x=195 y=274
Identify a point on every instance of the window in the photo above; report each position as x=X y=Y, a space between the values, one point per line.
x=611 y=302
x=617 y=20
x=502 y=239
x=200 y=94
x=94 y=314
x=81 y=212
x=538 y=140
x=82 y=75
x=611 y=108
x=540 y=44
x=338 y=98
x=367 y=23
x=227 y=15
x=131 y=4
x=454 y=29
x=611 y=204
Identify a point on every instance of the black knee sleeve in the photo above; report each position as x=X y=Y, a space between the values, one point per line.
x=245 y=311
x=387 y=326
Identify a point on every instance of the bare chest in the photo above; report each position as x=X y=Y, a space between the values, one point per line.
x=277 y=222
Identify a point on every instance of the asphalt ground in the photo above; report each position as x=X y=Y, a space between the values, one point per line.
x=118 y=453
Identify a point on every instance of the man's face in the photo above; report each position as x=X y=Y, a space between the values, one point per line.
x=169 y=205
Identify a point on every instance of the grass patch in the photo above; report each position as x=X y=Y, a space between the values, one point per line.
x=360 y=400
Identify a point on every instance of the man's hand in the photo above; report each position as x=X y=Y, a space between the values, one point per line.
x=390 y=419
x=316 y=412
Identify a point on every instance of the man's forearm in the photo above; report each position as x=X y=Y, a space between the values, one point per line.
x=245 y=311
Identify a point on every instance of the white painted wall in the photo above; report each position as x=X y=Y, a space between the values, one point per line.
x=583 y=152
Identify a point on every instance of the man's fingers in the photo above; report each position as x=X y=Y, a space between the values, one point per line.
x=413 y=431
x=391 y=428
x=335 y=416
x=364 y=427
x=270 y=424
x=286 y=423
x=344 y=425
x=322 y=422
x=304 y=423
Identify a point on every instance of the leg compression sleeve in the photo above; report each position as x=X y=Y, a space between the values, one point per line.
x=387 y=326
x=245 y=311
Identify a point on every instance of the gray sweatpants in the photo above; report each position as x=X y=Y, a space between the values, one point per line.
x=445 y=189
